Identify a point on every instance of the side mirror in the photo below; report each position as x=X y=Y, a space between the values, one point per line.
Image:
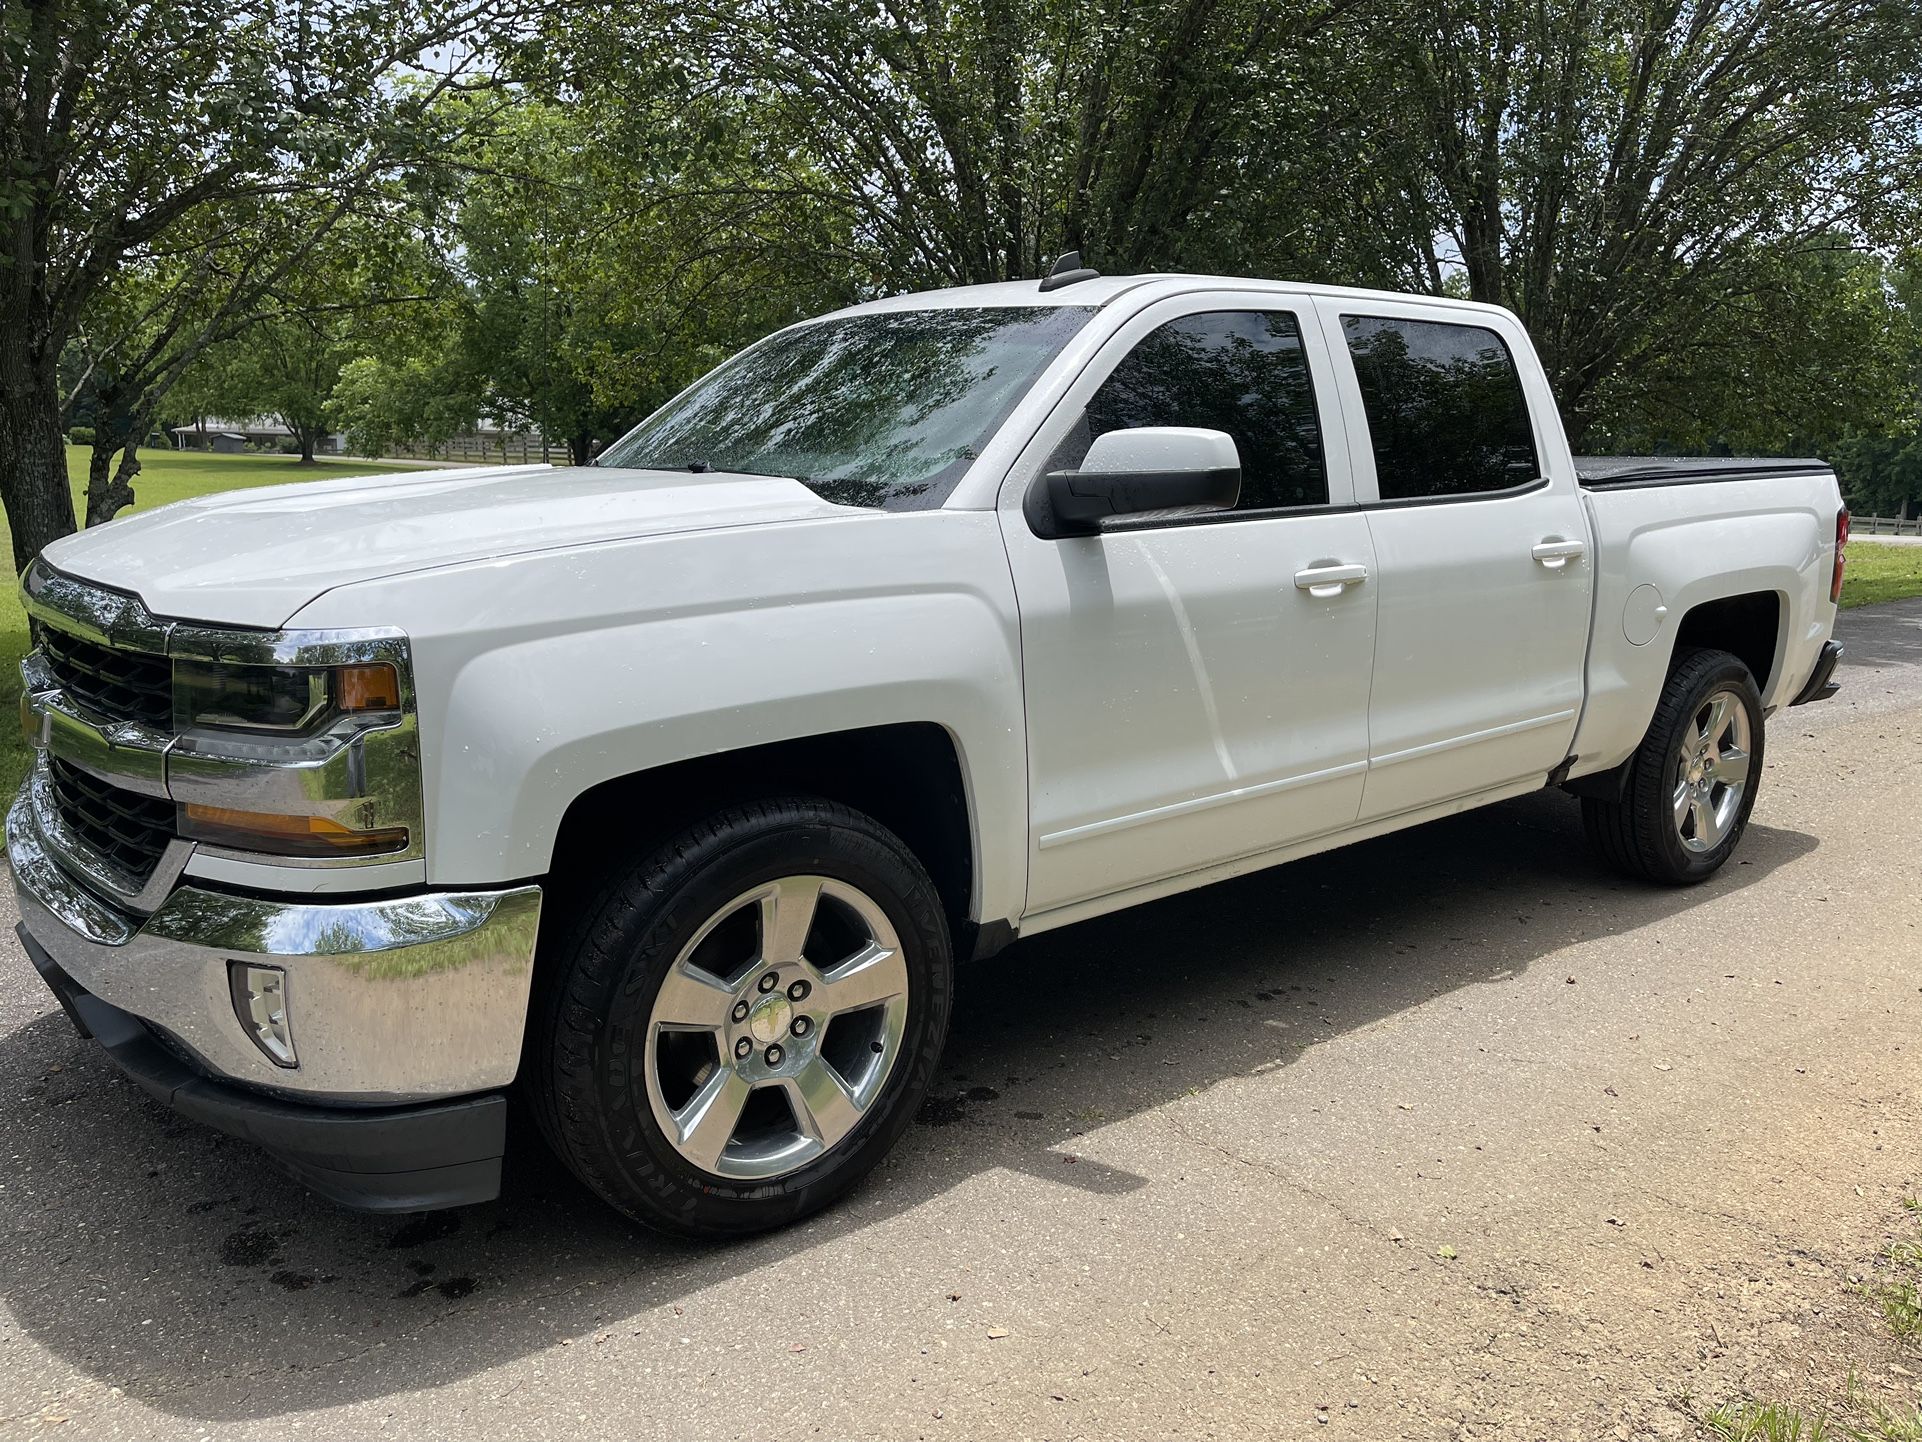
x=1171 y=470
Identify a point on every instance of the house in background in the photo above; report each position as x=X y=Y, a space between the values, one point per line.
x=214 y=433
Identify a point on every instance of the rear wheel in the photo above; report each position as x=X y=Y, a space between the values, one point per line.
x=1691 y=784
x=747 y=1021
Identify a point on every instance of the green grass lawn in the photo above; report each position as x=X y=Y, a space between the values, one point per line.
x=164 y=476
x=1875 y=573
x=1881 y=573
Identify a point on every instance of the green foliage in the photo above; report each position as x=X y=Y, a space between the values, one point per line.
x=163 y=167
x=1901 y=1298
x=1804 y=349
x=1865 y=1421
x=573 y=211
x=1765 y=1422
x=577 y=300
x=81 y=435
x=382 y=403
x=1881 y=474
x=976 y=142
x=1647 y=182
x=361 y=287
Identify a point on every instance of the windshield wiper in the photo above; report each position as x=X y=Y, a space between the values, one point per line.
x=706 y=468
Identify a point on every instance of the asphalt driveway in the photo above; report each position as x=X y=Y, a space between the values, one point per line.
x=1448 y=1134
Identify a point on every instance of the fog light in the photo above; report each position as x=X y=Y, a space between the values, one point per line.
x=260 y=1001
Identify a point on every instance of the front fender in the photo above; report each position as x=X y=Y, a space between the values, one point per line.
x=541 y=677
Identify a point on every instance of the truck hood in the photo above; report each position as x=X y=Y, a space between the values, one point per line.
x=255 y=557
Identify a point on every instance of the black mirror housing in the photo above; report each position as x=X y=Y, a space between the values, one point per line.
x=1082 y=500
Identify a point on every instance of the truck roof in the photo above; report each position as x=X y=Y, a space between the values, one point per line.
x=1100 y=290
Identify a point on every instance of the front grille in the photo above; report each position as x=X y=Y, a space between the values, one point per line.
x=114 y=685
x=126 y=828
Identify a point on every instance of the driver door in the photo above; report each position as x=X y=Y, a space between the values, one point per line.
x=1189 y=700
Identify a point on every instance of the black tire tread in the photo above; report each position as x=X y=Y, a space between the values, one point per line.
x=576 y=978
x=1629 y=833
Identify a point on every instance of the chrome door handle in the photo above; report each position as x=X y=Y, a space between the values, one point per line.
x=1321 y=582
x=1554 y=553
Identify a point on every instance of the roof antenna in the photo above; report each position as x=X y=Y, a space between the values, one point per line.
x=1067 y=270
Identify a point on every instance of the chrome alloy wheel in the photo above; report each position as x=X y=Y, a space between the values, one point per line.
x=1712 y=771
x=776 y=1028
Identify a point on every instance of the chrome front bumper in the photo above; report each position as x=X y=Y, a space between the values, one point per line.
x=391 y=1000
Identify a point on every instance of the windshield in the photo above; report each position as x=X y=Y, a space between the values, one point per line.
x=875 y=410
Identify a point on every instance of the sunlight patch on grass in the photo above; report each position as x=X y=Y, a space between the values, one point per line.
x=1881 y=573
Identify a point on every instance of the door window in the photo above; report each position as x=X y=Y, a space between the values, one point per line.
x=1445 y=408
x=1243 y=372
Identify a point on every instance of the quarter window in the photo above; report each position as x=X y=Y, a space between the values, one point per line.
x=1243 y=372
x=1446 y=413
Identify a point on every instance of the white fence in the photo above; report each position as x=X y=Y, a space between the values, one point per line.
x=1884 y=526
x=499 y=449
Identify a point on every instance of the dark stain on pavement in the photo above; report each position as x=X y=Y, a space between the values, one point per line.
x=424 y=1228
x=250 y=1246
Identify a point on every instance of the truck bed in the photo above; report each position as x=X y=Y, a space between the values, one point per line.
x=1623 y=472
x=1664 y=531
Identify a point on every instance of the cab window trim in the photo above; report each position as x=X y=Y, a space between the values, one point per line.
x=1440 y=316
x=1399 y=503
x=1301 y=313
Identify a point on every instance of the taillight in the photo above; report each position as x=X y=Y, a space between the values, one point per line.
x=1841 y=553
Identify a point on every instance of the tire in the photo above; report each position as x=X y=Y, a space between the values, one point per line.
x=1672 y=823
x=617 y=1075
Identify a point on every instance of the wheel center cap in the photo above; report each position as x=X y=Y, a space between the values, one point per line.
x=769 y=1020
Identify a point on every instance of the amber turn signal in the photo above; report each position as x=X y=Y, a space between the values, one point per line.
x=371 y=687
x=276 y=835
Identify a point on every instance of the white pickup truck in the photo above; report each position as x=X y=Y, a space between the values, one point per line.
x=672 y=788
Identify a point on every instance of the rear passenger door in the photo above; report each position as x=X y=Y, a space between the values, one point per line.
x=1194 y=694
x=1482 y=572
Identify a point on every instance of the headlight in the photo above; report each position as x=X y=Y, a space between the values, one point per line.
x=280 y=698
x=302 y=747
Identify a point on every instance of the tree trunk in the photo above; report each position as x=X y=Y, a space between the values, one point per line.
x=580 y=448
x=305 y=435
x=109 y=487
x=33 y=456
x=106 y=445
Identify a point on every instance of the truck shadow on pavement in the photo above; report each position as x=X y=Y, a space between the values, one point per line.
x=183 y=1268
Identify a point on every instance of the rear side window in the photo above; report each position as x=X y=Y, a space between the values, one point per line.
x=1445 y=407
x=1239 y=371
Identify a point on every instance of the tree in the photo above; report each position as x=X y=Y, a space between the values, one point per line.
x=1881 y=474
x=1879 y=457
x=394 y=397
x=1620 y=172
x=126 y=123
x=606 y=249
x=163 y=314
x=353 y=291
x=970 y=140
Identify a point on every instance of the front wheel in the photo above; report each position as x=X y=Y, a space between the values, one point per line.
x=1691 y=784
x=747 y=1021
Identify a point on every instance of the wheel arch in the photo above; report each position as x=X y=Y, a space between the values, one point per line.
x=909 y=776
x=1751 y=625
